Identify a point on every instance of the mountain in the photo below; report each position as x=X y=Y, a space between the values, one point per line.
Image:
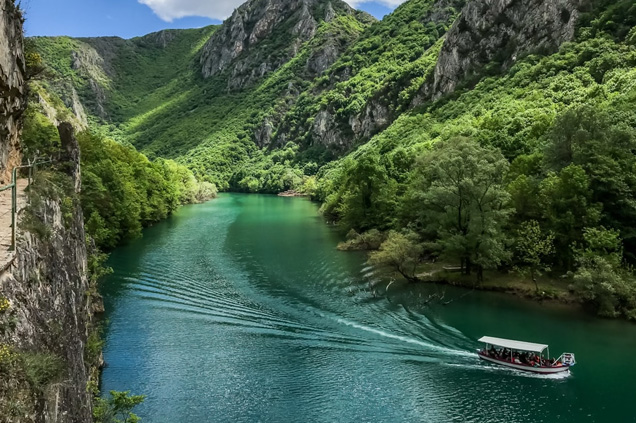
x=283 y=87
x=184 y=94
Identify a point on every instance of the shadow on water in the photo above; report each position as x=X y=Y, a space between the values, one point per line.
x=241 y=309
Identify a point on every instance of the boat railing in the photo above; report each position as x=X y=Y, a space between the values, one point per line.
x=567 y=358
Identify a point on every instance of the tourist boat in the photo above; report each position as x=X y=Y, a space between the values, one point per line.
x=524 y=356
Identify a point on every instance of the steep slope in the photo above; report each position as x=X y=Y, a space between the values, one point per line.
x=312 y=78
x=45 y=293
x=12 y=87
x=373 y=81
x=564 y=121
x=263 y=35
x=498 y=34
x=200 y=94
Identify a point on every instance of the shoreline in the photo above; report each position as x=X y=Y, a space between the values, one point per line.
x=552 y=291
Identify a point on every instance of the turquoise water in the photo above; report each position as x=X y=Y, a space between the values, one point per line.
x=242 y=310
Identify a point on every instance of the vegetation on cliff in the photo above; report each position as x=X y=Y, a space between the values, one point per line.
x=122 y=190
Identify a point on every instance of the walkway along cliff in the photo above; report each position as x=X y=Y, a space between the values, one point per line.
x=45 y=293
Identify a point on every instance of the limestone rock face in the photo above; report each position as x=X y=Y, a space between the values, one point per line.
x=12 y=87
x=340 y=135
x=48 y=289
x=262 y=35
x=503 y=31
x=96 y=67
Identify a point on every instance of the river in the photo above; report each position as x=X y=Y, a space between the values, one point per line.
x=242 y=310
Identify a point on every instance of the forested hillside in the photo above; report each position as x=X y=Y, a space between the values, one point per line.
x=528 y=169
x=157 y=92
x=498 y=135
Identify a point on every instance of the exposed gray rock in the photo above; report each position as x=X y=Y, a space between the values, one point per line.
x=162 y=38
x=263 y=134
x=374 y=117
x=99 y=94
x=502 y=30
x=47 y=286
x=78 y=109
x=12 y=88
x=330 y=14
x=253 y=28
x=326 y=132
x=323 y=58
x=341 y=134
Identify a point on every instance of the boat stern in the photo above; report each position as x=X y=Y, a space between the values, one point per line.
x=567 y=359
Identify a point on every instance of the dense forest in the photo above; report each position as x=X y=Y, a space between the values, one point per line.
x=529 y=170
x=528 y=166
x=122 y=191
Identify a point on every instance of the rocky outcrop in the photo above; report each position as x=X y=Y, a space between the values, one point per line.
x=262 y=35
x=47 y=287
x=339 y=133
x=500 y=31
x=91 y=65
x=12 y=87
x=375 y=116
x=160 y=39
x=79 y=119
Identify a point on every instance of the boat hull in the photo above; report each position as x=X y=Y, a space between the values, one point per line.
x=524 y=368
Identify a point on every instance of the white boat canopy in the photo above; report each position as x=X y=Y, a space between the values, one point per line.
x=513 y=345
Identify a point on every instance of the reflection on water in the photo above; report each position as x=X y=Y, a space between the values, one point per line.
x=242 y=310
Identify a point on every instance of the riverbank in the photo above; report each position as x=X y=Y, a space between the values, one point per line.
x=292 y=193
x=549 y=288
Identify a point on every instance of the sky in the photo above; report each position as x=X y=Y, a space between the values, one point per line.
x=132 y=18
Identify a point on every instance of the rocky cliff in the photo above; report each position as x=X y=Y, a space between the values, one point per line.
x=311 y=72
x=46 y=323
x=486 y=33
x=45 y=294
x=262 y=35
x=337 y=128
x=500 y=31
x=12 y=87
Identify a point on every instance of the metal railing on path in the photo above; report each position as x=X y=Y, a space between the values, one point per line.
x=31 y=167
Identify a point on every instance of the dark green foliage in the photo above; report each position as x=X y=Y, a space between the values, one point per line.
x=601 y=280
x=365 y=195
x=457 y=201
x=366 y=241
x=117 y=408
x=567 y=125
x=550 y=142
x=123 y=191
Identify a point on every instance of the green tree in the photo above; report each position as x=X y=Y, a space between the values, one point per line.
x=568 y=207
x=532 y=247
x=458 y=201
x=118 y=408
x=601 y=141
x=367 y=196
x=601 y=280
x=401 y=252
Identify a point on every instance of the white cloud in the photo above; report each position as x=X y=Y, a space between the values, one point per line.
x=169 y=10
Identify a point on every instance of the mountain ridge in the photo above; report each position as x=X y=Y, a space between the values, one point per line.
x=348 y=82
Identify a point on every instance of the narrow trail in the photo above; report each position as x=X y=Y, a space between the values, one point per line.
x=7 y=256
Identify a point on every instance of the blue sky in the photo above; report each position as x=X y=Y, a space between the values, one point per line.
x=131 y=18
